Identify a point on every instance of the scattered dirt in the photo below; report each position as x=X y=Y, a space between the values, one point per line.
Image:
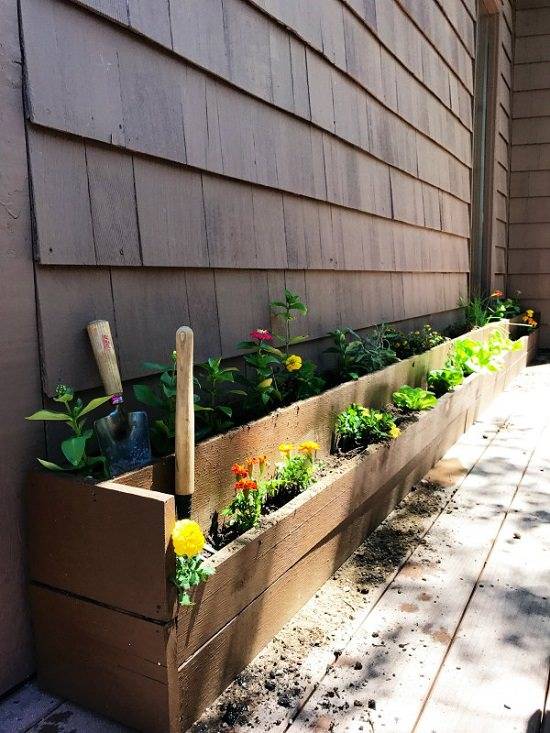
x=267 y=695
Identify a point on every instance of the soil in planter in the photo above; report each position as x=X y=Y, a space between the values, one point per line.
x=221 y=534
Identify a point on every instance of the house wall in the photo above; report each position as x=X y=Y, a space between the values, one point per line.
x=187 y=159
x=502 y=145
x=529 y=256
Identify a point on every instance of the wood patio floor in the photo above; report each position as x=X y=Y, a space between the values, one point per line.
x=439 y=623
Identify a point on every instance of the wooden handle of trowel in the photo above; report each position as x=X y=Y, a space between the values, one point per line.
x=105 y=356
x=185 y=414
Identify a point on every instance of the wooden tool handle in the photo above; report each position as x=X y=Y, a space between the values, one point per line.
x=185 y=414
x=105 y=356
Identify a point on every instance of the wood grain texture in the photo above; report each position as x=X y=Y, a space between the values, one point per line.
x=119 y=665
x=124 y=539
x=20 y=393
x=529 y=237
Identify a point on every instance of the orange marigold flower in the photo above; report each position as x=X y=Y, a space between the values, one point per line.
x=497 y=294
x=239 y=470
x=246 y=484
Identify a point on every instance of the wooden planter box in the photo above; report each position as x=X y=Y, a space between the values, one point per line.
x=107 y=628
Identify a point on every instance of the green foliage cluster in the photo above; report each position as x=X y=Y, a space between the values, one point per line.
x=274 y=375
x=253 y=488
x=480 y=310
x=441 y=381
x=75 y=448
x=358 y=426
x=413 y=343
x=190 y=572
x=292 y=476
x=412 y=399
x=358 y=355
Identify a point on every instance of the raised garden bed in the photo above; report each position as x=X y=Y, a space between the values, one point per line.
x=108 y=632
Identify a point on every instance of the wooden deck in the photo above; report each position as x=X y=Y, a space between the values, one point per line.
x=449 y=633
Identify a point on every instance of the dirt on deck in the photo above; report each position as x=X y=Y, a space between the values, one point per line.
x=270 y=691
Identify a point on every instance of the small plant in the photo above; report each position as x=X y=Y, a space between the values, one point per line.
x=441 y=381
x=477 y=311
x=358 y=426
x=245 y=509
x=74 y=448
x=413 y=399
x=295 y=472
x=162 y=398
x=473 y=357
x=278 y=375
x=415 y=342
x=188 y=541
x=357 y=355
x=502 y=307
x=213 y=381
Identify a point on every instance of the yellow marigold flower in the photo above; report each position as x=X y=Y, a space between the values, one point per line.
x=530 y=312
x=293 y=363
x=309 y=446
x=187 y=538
x=286 y=449
x=395 y=432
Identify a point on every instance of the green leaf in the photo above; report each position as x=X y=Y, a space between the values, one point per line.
x=49 y=415
x=238 y=392
x=226 y=410
x=73 y=449
x=297 y=340
x=145 y=394
x=51 y=466
x=200 y=408
x=247 y=345
x=93 y=404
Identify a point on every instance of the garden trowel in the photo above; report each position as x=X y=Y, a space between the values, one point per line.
x=123 y=437
x=185 y=423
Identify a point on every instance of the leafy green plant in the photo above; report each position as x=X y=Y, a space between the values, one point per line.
x=477 y=311
x=441 y=381
x=415 y=342
x=499 y=344
x=357 y=355
x=214 y=383
x=74 y=448
x=473 y=357
x=295 y=473
x=279 y=376
x=502 y=307
x=359 y=426
x=245 y=509
x=163 y=399
x=413 y=398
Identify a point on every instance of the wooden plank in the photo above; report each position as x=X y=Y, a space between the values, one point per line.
x=130 y=524
x=20 y=392
x=157 y=300
x=61 y=201
x=530 y=130
x=505 y=625
x=112 y=205
x=152 y=19
x=65 y=348
x=55 y=71
x=103 y=652
x=171 y=215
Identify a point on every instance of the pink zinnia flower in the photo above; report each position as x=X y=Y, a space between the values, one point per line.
x=261 y=334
